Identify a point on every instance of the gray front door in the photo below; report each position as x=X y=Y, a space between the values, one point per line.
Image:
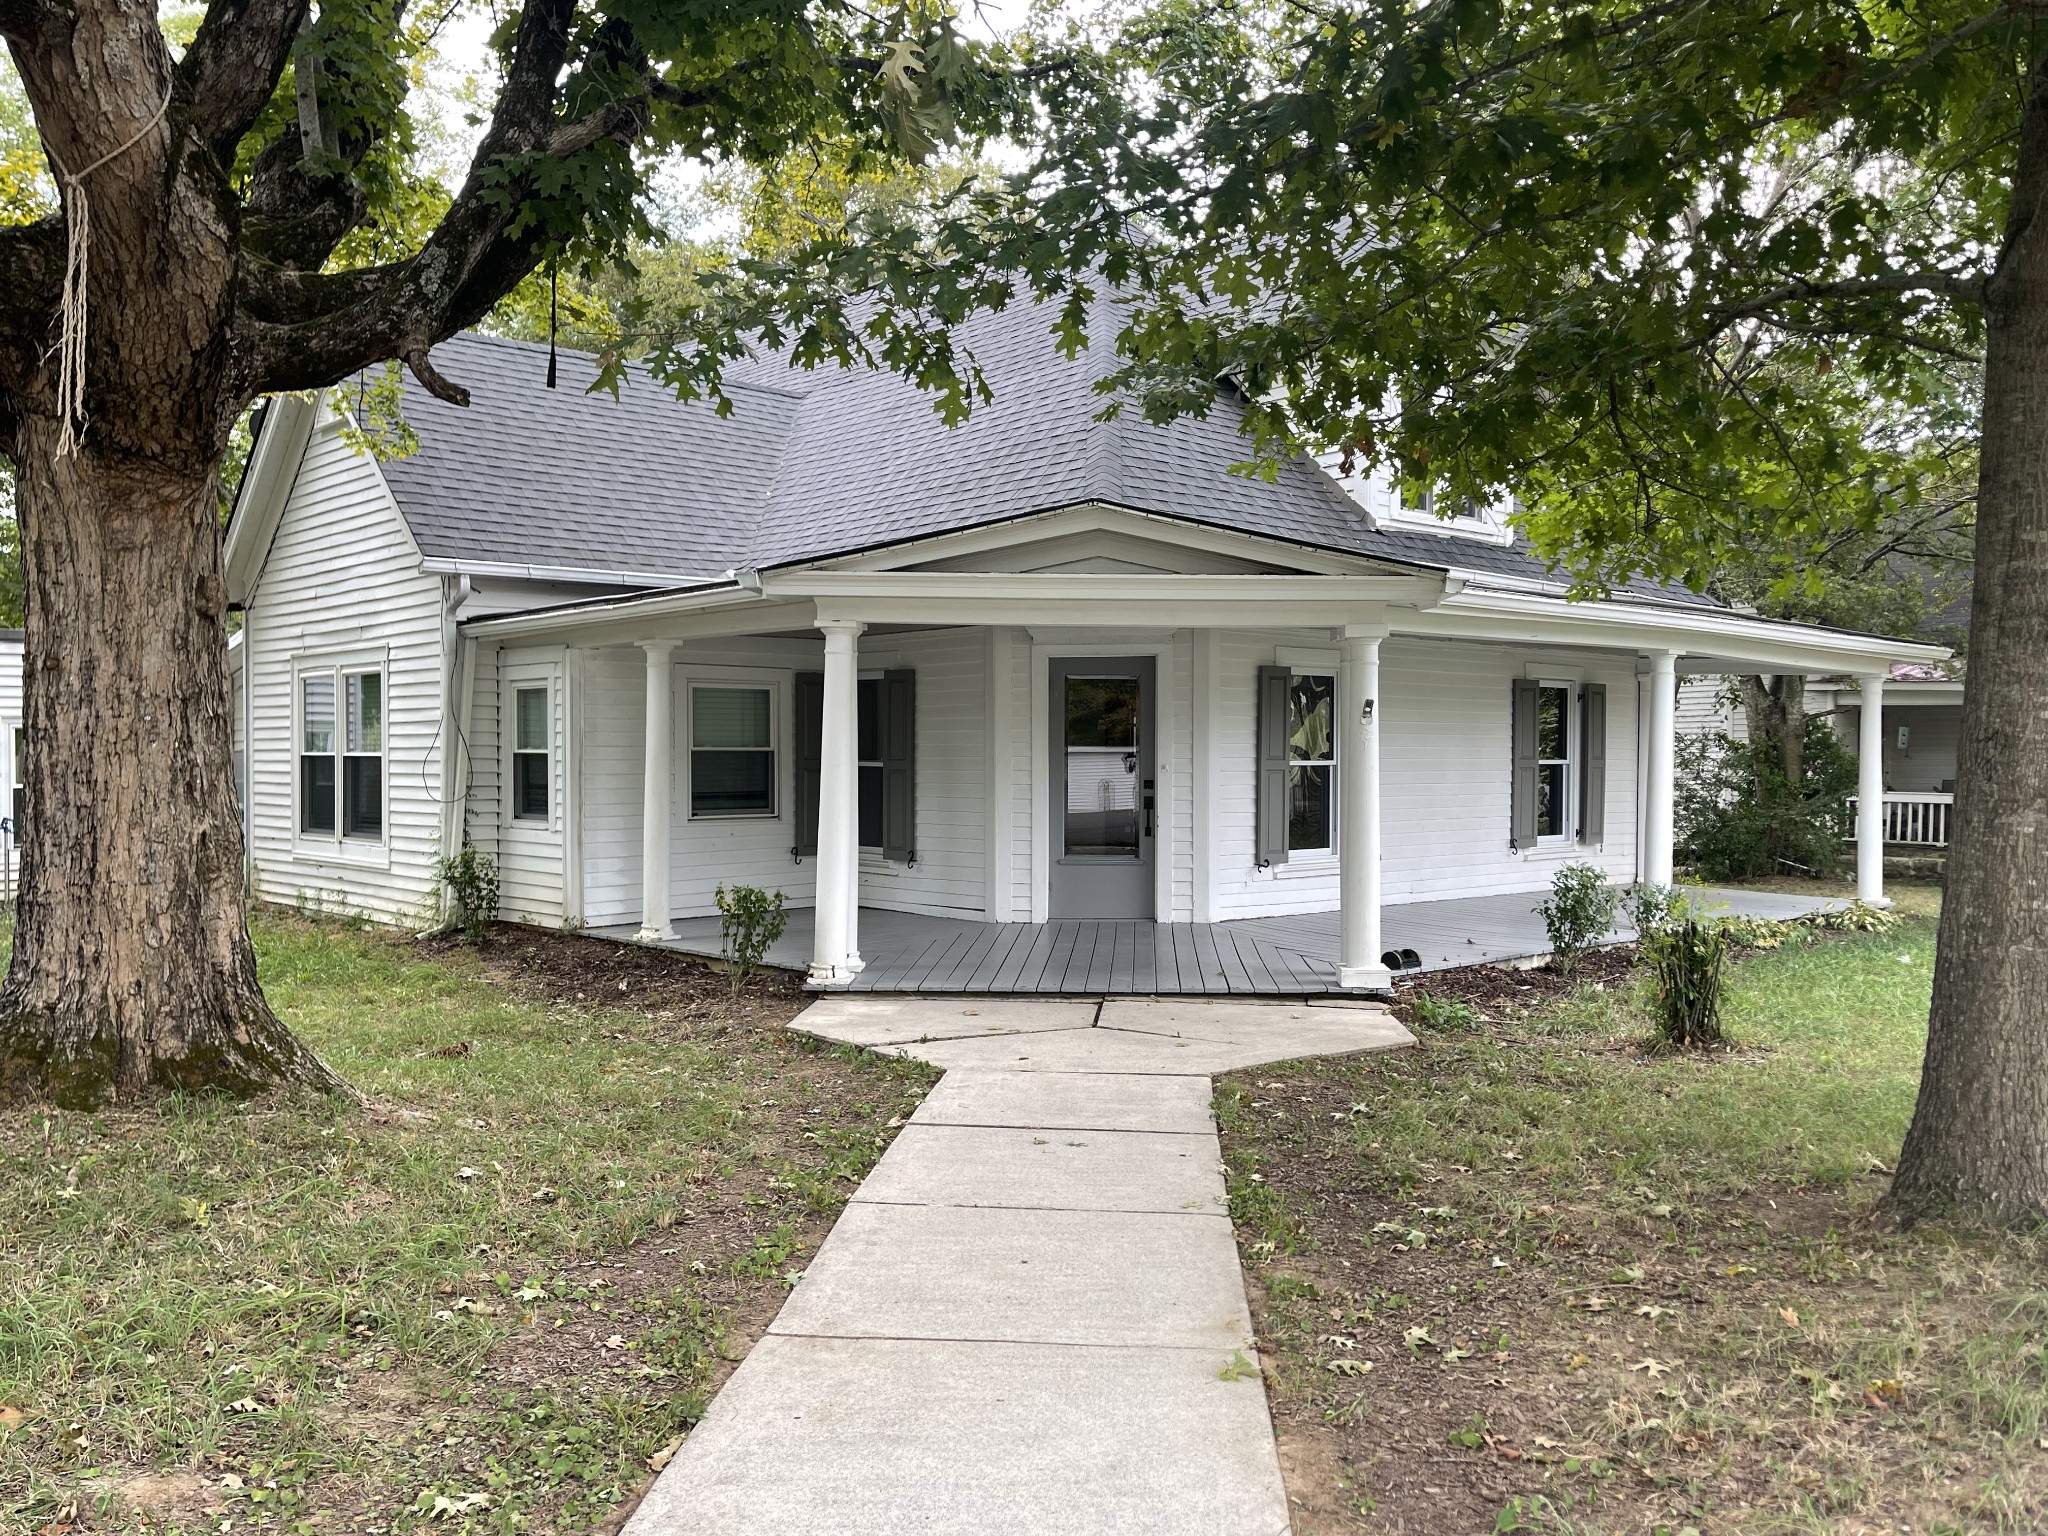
x=1102 y=787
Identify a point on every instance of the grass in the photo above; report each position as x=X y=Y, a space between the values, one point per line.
x=1650 y=1289
x=482 y=1302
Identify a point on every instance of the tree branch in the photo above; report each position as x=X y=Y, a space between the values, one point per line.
x=234 y=65
x=1967 y=287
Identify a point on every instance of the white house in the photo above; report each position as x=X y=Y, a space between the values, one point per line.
x=1037 y=667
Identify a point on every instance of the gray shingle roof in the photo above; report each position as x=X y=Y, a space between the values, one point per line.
x=812 y=465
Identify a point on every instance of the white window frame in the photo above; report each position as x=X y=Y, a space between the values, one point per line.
x=518 y=680
x=777 y=790
x=1569 y=811
x=341 y=844
x=1330 y=816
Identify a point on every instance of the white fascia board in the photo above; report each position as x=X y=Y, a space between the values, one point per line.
x=1764 y=643
x=725 y=607
x=510 y=570
x=266 y=483
x=1100 y=517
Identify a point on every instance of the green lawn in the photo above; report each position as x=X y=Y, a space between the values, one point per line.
x=1651 y=1291
x=491 y=1294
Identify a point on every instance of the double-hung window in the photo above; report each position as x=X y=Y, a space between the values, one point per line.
x=732 y=750
x=1553 y=759
x=532 y=782
x=341 y=753
x=1311 y=761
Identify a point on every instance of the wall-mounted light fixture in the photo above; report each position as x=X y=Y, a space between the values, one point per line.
x=1366 y=712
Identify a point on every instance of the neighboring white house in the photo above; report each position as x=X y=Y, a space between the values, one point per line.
x=1037 y=666
x=12 y=743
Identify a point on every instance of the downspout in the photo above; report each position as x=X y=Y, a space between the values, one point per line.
x=456 y=686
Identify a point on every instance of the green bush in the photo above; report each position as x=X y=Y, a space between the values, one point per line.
x=1444 y=1014
x=1685 y=981
x=1737 y=817
x=750 y=920
x=1578 y=913
x=474 y=880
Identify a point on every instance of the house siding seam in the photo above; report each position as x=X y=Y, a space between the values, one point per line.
x=342 y=579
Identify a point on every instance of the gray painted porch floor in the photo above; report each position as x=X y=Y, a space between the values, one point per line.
x=1261 y=956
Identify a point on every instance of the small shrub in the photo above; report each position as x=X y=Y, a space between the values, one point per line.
x=1857 y=917
x=1444 y=1014
x=1685 y=981
x=750 y=920
x=1653 y=908
x=473 y=879
x=1578 y=913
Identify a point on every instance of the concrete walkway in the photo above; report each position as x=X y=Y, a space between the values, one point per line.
x=1029 y=1321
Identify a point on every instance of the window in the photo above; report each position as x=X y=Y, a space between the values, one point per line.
x=1553 y=759
x=341 y=759
x=1311 y=761
x=15 y=798
x=732 y=751
x=872 y=787
x=532 y=790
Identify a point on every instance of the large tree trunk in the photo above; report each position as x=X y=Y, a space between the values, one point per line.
x=1979 y=1137
x=132 y=969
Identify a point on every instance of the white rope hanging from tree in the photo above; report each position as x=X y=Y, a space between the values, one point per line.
x=77 y=242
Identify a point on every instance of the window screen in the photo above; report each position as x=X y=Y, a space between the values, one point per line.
x=732 y=752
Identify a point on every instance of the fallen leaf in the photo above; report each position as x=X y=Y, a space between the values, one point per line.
x=530 y=1292
x=11 y=1417
x=467 y=1172
x=1416 y=1337
x=1653 y=1311
x=1655 y=1368
x=245 y=1405
x=616 y=1341
x=1349 y=1367
x=665 y=1455
x=545 y=1196
x=1791 y=1318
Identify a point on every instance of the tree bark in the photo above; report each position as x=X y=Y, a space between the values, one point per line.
x=132 y=970
x=1979 y=1137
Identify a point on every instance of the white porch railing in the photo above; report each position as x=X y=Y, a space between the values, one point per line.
x=1915 y=817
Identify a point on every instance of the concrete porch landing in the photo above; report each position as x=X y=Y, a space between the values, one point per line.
x=1261 y=956
x=1029 y=1320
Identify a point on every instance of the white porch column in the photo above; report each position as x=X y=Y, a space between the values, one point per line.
x=1659 y=794
x=834 y=957
x=657 y=786
x=1358 y=782
x=1870 y=792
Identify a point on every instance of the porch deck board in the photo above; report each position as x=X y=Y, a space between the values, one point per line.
x=1263 y=956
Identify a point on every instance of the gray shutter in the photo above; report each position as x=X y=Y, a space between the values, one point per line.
x=1522 y=796
x=1271 y=818
x=810 y=756
x=1593 y=765
x=899 y=765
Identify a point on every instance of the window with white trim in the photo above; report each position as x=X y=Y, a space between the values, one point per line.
x=532 y=730
x=732 y=750
x=1555 y=740
x=341 y=753
x=1311 y=761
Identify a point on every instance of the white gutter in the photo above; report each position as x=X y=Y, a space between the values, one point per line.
x=708 y=598
x=513 y=571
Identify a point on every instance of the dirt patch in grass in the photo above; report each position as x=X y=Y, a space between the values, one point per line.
x=488 y=1302
x=1557 y=1285
x=1500 y=990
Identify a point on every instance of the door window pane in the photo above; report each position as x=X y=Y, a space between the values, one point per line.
x=1102 y=754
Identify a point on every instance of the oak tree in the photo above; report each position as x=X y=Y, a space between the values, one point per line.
x=237 y=220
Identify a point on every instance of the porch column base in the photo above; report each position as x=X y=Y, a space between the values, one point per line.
x=1365 y=978
x=832 y=975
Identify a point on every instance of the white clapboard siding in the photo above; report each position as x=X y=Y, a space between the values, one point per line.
x=948 y=878
x=1704 y=705
x=1444 y=777
x=482 y=790
x=342 y=581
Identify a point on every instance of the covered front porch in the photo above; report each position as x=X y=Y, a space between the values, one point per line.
x=1263 y=956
